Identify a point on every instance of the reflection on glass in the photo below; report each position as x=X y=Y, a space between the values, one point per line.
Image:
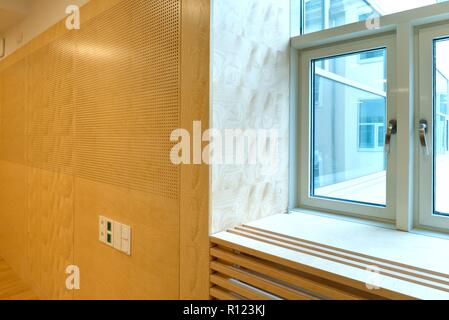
x=441 y=127
x=349 y=119
x=325 y=14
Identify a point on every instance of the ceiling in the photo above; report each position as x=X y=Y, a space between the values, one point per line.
x=12 y=12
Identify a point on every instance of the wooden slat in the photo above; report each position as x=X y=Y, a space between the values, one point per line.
x=375 y=260
x=242 y=290
x=220 y=294
x=345 y=254
x=260 y=282
x=349 y=262
x=308 y=269
x=306 y=284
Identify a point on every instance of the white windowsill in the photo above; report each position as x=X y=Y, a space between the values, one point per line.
x=376 y=239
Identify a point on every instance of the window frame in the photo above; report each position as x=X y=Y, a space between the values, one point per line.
x=425 y=191
x=405 y=26
x=305 y=135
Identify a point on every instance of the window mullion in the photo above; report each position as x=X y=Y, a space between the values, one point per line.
x=403 y=70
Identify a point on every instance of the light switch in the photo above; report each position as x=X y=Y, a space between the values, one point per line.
x=102 y=229
x=117 y=238
x=126 y=232
x=126 y=239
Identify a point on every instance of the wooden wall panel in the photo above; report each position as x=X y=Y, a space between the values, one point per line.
x=13 y=216
x=13 y=172
x=49 y=136
x=127 y=104
x=50 y=106
x=50 y=232
x=13 y=114
x=85 y=124
x=194 y=192
x=127 y=96
x=153 y=270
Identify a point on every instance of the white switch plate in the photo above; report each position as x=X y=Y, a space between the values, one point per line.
x=115 y=234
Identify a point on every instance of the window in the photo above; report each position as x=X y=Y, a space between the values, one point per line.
x=373 y=130
x=434 y=157
x=348 y=112
x=325 y=14
x=341 y=170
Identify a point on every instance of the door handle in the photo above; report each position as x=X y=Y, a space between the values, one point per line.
x=423 y=129
x=391 y=130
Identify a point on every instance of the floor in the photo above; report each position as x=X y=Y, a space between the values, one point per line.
x=11 y=287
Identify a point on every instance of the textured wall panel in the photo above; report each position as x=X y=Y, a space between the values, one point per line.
x=13 y=113
x=127 y=96
x=250 y=91
x=50 y=106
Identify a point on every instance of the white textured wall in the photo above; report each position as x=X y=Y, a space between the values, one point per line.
x=250 y=90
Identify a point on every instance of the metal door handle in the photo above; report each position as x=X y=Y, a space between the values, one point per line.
x=423 y=130
x=391 y=130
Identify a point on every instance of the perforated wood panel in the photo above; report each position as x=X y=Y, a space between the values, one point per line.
x=13 y=114
x=127 y=96
x=50 y=106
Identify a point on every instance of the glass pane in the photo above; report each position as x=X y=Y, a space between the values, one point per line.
x=381 y=136
x=325 y=14
x=367 y=136
x=441 y=127
x=349 y=116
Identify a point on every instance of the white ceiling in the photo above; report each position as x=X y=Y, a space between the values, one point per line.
x=12 y=12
